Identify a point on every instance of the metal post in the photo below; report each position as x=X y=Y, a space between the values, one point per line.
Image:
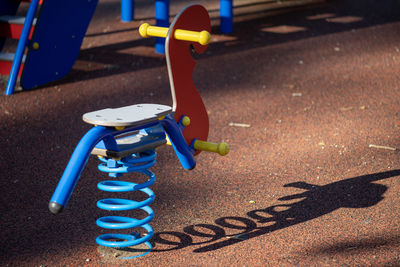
x=226 y=16
x=127 y=10
x=162 y=20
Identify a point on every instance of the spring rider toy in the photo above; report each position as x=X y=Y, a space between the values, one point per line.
x=125 y=138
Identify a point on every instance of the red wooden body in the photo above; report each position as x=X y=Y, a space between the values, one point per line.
x=187 y=101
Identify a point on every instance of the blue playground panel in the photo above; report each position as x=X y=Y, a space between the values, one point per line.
x=59 y=33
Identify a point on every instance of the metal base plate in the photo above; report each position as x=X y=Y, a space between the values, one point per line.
x=117 y=254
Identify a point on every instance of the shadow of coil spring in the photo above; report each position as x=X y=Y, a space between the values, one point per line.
x=134 y=163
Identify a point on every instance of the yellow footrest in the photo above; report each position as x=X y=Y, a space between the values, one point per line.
x=221 y=148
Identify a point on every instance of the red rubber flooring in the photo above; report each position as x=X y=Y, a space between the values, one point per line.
x=307 y=94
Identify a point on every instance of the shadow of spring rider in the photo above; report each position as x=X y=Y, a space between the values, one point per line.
x=125 y=138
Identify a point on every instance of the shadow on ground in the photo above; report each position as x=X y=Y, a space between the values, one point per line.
x=316 y=201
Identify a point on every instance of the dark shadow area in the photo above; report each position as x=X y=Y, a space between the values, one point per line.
x=260 y=32
x=356 y=246
x=112 y=32
x=381 y=245
x=260 y=28
x=314 y=202
x=28 y=228
x=262 y=6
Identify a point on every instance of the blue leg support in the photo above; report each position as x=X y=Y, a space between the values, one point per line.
x=226 y=16
x=178 y=142
x=127 y=10
x=79 y=159
x=75 y=167
x=162 y=20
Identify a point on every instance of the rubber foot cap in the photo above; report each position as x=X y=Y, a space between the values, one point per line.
x=55 y=208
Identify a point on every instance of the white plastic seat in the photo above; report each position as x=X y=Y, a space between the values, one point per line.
x=134 y=115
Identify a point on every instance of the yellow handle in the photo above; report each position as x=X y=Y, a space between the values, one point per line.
x=202 y=37
x=221 y=148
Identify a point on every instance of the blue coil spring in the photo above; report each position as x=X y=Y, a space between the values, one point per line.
x=134 y=163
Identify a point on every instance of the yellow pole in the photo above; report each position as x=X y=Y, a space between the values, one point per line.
x=202 y=37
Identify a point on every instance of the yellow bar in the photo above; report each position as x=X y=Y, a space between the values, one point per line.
x=202 y=37
x=221 y=148
x=146 y=30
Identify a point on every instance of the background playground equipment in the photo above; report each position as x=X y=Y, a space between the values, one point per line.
x=125 y=138
x=50 y=37
x=49 y=40
x=162 y=13
x=162 y=17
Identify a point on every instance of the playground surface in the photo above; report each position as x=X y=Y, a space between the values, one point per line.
x=306 y=93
